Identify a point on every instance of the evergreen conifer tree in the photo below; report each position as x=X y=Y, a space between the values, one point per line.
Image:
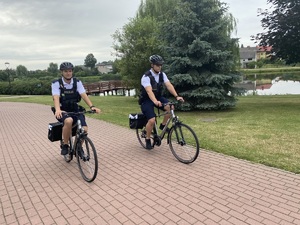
x=200 y=54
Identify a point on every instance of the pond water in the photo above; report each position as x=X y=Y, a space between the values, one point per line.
x=278 y=87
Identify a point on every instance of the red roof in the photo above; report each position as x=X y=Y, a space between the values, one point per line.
x=264 y=48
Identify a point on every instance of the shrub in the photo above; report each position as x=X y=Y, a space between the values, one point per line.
x=29 y=87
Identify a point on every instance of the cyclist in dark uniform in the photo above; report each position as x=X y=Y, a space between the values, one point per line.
x=67 y=92
x=152 y=83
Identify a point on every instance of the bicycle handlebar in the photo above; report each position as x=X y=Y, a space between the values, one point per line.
x=78 y=113
x=169 y=103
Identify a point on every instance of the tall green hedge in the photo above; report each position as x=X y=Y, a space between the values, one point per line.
x=26 y=87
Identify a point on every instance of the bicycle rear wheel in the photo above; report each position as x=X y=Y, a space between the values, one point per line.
x=183 y=143
x=87 y=159
x=141 y=135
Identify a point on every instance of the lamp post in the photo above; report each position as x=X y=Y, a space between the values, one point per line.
x=7 y=68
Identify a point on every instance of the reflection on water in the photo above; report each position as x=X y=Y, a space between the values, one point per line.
x=278 y=87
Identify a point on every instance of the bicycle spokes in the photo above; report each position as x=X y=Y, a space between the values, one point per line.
x=143 y=134
x=87 y=160
x=184 y=143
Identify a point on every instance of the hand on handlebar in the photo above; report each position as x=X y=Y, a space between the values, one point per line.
x=158 y=103
x=96 y=110
x=58 y=114
x=180 y=99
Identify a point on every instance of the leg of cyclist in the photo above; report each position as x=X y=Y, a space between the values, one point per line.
x=149 y=128
x=166 y=108
x=83 y=123
x=66 y=132
x=148 y=110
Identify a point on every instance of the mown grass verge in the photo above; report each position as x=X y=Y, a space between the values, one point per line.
x=261 y=129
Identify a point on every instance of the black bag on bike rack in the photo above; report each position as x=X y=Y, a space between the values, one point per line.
x=137 y=120
x=55 y=131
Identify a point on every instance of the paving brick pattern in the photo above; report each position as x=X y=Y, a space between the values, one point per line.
x=133 y=186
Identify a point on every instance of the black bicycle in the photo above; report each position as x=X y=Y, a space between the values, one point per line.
x=82 y=147
x=181 y=139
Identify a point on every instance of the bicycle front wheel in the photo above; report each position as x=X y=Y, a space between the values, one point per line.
x=183 y=143
x=87 y=159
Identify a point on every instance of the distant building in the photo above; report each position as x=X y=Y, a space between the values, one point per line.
x=250 y=54
x=104 y=67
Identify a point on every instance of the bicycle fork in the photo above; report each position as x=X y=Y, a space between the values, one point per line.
x=178 y=133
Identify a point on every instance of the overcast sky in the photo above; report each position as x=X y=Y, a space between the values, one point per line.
x=34 y=33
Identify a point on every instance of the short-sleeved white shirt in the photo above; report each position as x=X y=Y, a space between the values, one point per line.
x=56 y=90
x=145 y=81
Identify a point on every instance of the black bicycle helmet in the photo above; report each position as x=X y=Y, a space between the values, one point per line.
x=66 y=66
x=156 y=59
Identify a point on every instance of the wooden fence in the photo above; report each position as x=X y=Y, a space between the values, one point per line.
x=104 y=87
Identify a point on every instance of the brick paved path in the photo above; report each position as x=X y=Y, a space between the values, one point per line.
x=133 y=186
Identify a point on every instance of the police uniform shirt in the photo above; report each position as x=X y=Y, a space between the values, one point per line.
x=56 y=89
x=145 y=81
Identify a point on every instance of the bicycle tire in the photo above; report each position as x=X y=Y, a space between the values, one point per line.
x=183 y=143
x=141 y=136
x=87 y=160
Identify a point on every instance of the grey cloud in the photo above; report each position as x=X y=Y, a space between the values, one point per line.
x=37 y=32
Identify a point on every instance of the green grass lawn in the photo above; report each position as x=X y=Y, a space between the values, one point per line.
x=261 y=129
x=284 y=69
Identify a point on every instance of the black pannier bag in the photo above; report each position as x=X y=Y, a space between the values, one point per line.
x=137 y=120
x=55 y=131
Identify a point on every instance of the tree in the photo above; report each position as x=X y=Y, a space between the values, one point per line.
x=115 y=66
x=201 y=54
x=21 y=71
x=135 y=44
x=53 y=68
x=194 y=39
x=281 y=27
x=90 y=61
x=156 y=9
x=4 y=75
x=139 y=39
x=77 y=69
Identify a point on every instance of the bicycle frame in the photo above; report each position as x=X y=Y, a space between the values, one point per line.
x=173 y=118
x=79 y=131
x=83 y=149
x=182 y=140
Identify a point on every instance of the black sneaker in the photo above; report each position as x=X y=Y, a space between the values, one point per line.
x=163 y=126
x=64 y=149
x=148 y=144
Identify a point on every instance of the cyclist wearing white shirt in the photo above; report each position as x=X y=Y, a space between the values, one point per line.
x=67 y=92
x=152 y=83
